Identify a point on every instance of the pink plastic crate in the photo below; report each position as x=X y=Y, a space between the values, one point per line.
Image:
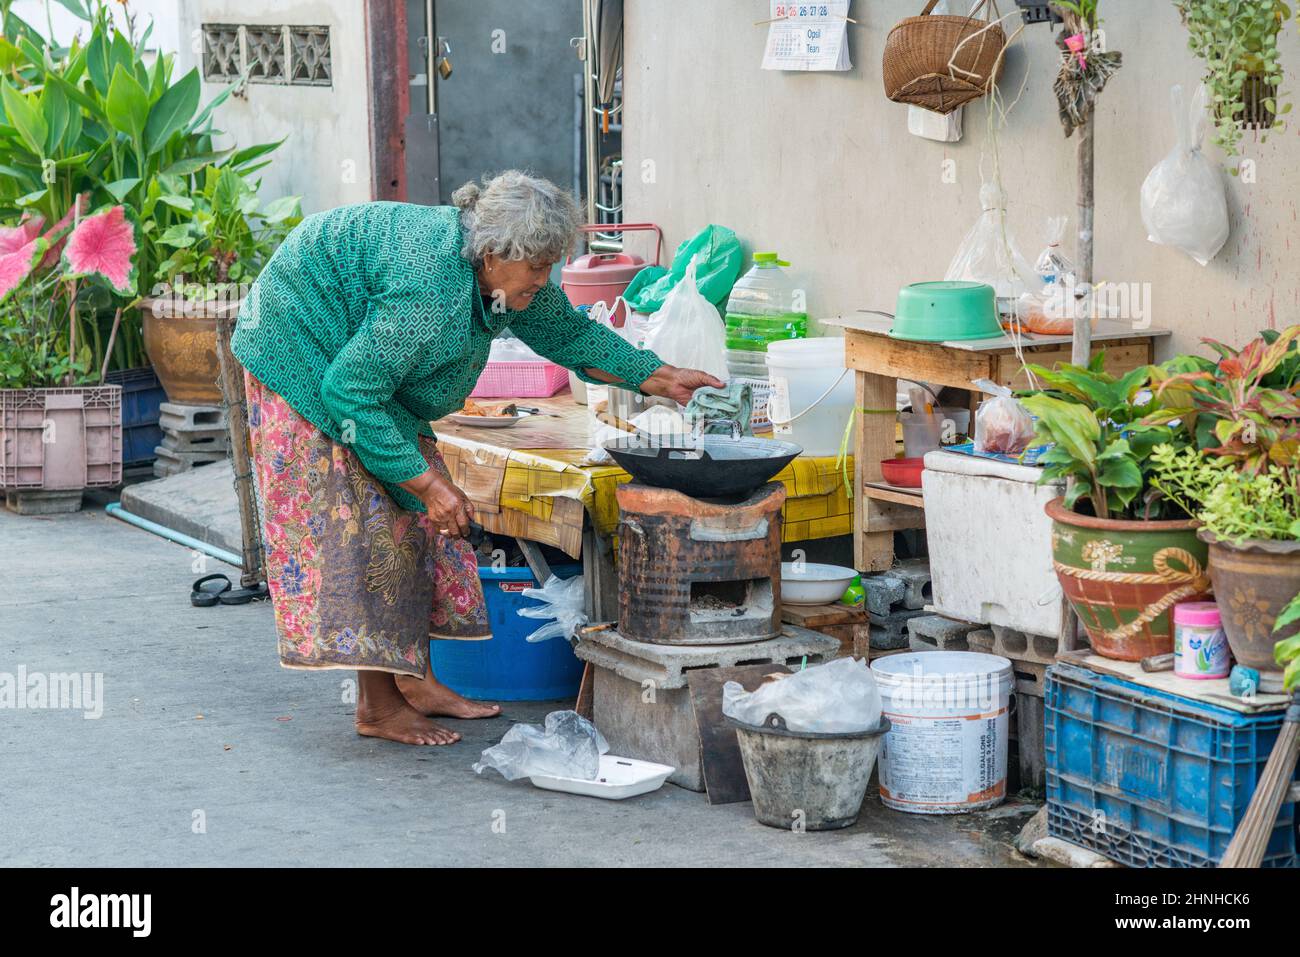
x=58 y=439
x=520 y=380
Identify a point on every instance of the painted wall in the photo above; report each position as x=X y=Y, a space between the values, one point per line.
x=326 y=158
x=822 y=168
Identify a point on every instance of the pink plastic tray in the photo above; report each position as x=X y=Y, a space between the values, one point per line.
x=520 y=380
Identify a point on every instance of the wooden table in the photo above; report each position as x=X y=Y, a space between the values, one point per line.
x=879 y=361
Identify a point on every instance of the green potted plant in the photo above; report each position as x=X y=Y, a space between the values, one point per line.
x=1241 y=480
x=106 y=119
x=1124 y=553
x=220 y=238
x=1237 y=39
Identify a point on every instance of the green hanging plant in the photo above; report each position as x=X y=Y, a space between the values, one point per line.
x=1237 y=39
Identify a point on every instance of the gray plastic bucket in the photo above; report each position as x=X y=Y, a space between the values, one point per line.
x=807 y=779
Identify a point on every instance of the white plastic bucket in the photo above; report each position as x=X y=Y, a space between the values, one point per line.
x=946 y=752
x=812 y=394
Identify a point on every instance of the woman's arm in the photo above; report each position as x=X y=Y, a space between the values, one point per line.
x=357 y=386
x=552 y=327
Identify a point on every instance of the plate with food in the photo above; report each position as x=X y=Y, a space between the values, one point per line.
x=481 y=416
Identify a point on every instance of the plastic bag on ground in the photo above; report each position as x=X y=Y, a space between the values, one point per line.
x=1184 y=203
x=688 y=331
x=835 y=698
x=719 y=257
x=567 y=746
x=988 y=254
x=1002 y=424
x=562 y=600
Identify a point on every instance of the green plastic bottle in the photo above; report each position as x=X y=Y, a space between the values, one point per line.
x=855 y=595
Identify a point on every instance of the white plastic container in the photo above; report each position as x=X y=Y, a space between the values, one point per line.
x=618 y=778
x=991 y=543
x=812 y=393
x=946 y=749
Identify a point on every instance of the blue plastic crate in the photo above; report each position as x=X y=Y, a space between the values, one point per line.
x=1151 y=779
x=142 y=396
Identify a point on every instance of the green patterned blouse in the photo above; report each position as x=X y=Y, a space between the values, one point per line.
x=369 y=322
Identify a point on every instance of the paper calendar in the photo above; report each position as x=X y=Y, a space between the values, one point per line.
x=808 y=36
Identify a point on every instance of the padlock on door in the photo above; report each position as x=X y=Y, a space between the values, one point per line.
x=444 y=59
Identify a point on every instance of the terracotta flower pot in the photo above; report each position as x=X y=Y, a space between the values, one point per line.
x=181 y=339
x=1124 y=578
x=1253 y=581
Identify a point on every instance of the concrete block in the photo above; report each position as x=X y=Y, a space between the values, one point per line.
x=1021 y=646
x=889 y=632
x=883 y=592
x=937 y=633
x=169 y=462
x=914 y=573
x=188 y=418
x=42 y=501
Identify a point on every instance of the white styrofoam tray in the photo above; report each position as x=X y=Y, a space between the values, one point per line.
x=618 y=778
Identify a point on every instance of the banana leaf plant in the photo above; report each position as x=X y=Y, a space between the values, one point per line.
x=107 y=119
x=1095 y=426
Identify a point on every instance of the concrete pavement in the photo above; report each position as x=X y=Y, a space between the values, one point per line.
x=208 y=753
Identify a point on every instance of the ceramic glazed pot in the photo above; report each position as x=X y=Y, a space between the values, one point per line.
x=181 y=340
x=1124 y=578
x=1253 y=581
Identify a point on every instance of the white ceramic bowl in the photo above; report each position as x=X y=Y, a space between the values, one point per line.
x=814 y=584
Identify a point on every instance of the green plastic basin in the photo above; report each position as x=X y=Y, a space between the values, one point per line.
x=946 y=311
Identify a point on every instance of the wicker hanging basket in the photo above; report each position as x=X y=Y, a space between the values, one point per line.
x=927 y=63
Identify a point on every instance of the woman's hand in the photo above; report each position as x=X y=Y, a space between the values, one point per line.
x=677 y=384
x=449 y=508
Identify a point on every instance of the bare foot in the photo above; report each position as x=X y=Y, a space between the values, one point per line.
x=429 y=697
x=382 y=712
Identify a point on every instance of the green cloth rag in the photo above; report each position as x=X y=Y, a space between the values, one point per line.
x=713 y=405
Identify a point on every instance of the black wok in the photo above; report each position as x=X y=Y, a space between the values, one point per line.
x=720 y=467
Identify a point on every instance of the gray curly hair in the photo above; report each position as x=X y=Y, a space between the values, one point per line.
x=517 y=216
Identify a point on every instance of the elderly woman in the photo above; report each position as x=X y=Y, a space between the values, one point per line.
x=369 y=322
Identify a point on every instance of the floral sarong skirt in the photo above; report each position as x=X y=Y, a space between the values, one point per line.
x=356 y=580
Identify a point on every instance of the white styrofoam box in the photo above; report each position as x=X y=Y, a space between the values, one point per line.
x=990 y=543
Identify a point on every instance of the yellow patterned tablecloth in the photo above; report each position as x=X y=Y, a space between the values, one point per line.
x=543 y=493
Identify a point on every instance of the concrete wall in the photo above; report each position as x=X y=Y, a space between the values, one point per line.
x=326 y=159
x=821 y=166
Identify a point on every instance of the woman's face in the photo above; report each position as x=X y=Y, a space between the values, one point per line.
x=513 y=282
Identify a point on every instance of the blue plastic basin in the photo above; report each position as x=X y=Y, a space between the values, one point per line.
x=505 y=667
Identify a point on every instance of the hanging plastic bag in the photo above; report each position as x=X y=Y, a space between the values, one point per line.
x=688 y=331
x=1002 y=424
x=1184 y=203
x=562 y=606
x=567 y=746
x=719 y=257
x=1053 y=266
x=989 y=255
x=837 y=697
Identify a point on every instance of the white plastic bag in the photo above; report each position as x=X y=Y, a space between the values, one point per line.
x=568 y=746
x=988 y=254
x=687 y=330
x=837 y=697
x=1002 y=424
x=562 y=600
x=1184 y=203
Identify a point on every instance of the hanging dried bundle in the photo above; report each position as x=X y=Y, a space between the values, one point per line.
x=1086 y=64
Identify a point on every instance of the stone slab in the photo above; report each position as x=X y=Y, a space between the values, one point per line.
x=666 y=665
x=199 y=502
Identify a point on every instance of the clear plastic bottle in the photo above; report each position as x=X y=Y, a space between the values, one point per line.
x=765 y=305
